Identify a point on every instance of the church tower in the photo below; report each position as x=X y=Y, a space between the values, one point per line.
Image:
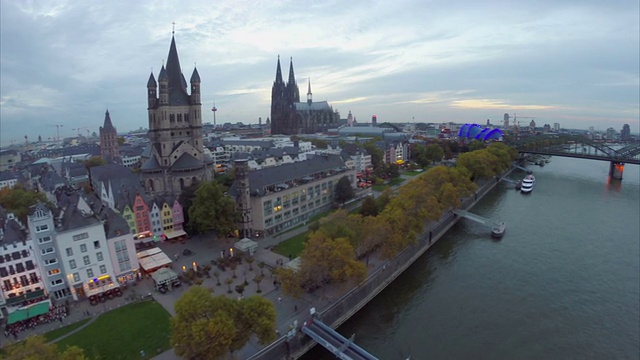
x=109 y=140
x=278 y=103
x=175 y=158
x=243 y=198
x=309 y=95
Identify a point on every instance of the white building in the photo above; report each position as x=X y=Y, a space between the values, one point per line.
x=19 y=275
x=84 y=250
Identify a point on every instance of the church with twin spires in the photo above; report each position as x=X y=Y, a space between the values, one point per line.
x=289 y=116
x=175 y=157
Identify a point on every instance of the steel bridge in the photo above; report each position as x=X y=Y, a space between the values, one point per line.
x=576 y=146
x=331 y=340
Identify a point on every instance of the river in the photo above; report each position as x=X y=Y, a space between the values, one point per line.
x=563 y=282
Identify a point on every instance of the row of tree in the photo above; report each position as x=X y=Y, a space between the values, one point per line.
x=338 y=248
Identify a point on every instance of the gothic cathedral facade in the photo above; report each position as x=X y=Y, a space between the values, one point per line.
x=175 y=156
x=289 y=116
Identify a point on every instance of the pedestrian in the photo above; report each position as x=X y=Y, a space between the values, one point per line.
x=295 y=308
x=289 y=257
x=279 y=299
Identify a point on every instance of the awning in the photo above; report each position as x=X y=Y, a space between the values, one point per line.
x=154 y=261
x=174 y=234
x=24 y=297
x=26 y=313
x=164 y=276
x=246 y=245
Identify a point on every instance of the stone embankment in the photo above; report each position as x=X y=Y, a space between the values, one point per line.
x=336 y=313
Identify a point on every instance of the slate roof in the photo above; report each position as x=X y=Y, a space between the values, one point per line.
x=152 y=81
x=150 y=164
x=68 y=216
x=319 y=105
x=12 y=230
x=10 y=175
x=195 y=77
x=50 y=180
x=265 y=144
x=177 y=84
x=259 y=179
x=186 y=161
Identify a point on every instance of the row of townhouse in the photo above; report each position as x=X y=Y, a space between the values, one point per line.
x=150 y=218
x=79 y=249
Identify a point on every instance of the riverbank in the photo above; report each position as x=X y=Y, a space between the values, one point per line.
x=340 y=310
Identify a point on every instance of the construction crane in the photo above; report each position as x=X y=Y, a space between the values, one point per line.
x=58 y=131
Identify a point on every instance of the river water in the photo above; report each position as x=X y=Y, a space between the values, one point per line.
x=563 y=282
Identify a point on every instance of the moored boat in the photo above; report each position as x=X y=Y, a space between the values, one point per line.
x=527 y=184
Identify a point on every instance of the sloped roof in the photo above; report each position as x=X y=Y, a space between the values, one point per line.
x=319 y=105
x=258 y=179
x=151 y=164
x=186 y=161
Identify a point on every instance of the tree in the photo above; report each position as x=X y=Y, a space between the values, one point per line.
x=36 y=348
x=94 y=161
x=434 y=153
x=186 y=198
x=344 y=191
x=369 y=207
x=121 y=140
x=18 y=201
x=204 y=326
x=249 y=260
x=476 y=145
x=376 y=153
x=212 y=210
x=258 y=279
x=228 y=282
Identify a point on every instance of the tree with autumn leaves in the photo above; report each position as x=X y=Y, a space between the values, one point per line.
x=335 y=250
x=208 y=327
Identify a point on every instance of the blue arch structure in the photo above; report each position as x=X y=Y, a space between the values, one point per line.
x=477 y=132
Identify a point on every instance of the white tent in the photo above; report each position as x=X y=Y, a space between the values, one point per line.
x=246 y=245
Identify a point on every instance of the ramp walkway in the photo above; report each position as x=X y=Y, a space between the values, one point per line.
x=337 y=344
x=477 y=218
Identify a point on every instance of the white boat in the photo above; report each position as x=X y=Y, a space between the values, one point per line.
x=527 y=184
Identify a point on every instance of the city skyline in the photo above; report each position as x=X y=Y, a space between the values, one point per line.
x=575 y=63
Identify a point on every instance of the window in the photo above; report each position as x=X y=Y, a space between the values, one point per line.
x=54 y=272
x=19 y=267
x=34 y=278
x=83 y=248
x=86 y=260
x=103 y=269
x=96 y=244
x=122 y=255
x=15 y=255
x=56 y=282
x=89 y=272
x=80 y=236
x=99 y=255
x=76 y=277
x=47 y=251
x=69 y=252
x=44 y=240
x=40 y=228
x=30 y=265
x=72 y=264
x=48 y=262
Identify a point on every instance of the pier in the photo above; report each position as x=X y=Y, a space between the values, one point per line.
x=497 y=228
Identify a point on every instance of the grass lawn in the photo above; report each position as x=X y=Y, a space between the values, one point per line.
x=54 y=334
x=122 y=333
x=412 y=173
x=392 y=182
x=292 y=246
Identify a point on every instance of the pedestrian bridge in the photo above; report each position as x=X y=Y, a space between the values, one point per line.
x=337 y=344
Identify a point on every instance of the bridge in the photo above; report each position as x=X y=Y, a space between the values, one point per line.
x=337 y=344
x=577 y=146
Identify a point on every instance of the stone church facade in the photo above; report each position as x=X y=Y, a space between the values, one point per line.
x=175 y=156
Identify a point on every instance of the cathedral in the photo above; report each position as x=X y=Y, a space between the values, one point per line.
x=289 y=116
x=175 y=156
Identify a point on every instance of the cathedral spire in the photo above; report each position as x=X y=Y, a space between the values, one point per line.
x=278 y=72
x=309 y=96
x=292 y=78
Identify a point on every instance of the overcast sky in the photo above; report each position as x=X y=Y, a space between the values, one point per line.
x=571 y=62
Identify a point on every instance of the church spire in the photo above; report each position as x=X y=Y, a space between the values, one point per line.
x=107 y=122
x=292 y=78
x=174 y=70
x=309 y=96
x=278 y=72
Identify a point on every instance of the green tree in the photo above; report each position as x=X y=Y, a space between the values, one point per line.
x=376 y=153
x=369 y=207
x=18 y=201
x=186 y=198
x=434 y=153
x=212 y=210
x=343 y=191
x=476 y=145
x=36 y=348
x=204 y=326
x=419 y=155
